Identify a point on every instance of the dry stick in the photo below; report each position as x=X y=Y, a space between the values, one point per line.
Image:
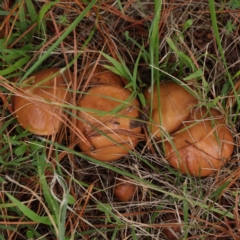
x=38 y=198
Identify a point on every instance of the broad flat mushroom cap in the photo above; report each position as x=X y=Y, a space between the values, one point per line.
x=109 y=122
x=204 y=144
x=173 y=103
x=38 y=106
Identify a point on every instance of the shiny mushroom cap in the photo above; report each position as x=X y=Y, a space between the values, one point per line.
x=109 y=122
x=171 y=105
x=203 y=143
x=38 y=104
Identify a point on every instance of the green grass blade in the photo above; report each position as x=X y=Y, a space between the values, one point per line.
x=185 y=210
x=22 y=17
x=28 y=212
x=229 y=84
x=51 y=202
x=15 y=66
x=43 y=11
x=154 y=42
x=64 y=35
x=31 y=10
x=119 y=68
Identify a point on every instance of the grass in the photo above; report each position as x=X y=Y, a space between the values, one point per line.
x=49 y=189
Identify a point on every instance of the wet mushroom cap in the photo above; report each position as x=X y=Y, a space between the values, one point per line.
x=109 y=122
x=103 y=76
x=171 y=105
x=37 y=106
x=204 y=144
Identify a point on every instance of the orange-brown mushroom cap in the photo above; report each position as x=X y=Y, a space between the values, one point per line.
x=124 y=190
x=204 y=144
x=109 y=122
x=38 y=104
x=171 y=105
x=103 y=76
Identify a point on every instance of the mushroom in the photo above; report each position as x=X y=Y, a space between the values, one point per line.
x=173 y=231
x=202 y=145
x=102 y=76
x=124 y=190
x=38 y=106
x=108 y=120
x=171 y=105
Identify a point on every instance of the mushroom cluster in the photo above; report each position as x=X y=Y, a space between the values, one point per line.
x=38 y=106
x=201 y=142
x=109 y=118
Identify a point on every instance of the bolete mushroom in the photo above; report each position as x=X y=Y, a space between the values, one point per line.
x=202 y=145
x=124 y=190
x=103 y=76
x=109 y=122
x=171 y=105
x=38 y=104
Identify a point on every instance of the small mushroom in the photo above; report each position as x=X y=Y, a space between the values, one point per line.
x=202 y=145
x=173 y=231
x=171 y=105
x=102 y=76
x=106 y=120
x=38 y=104
x=124 y=190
